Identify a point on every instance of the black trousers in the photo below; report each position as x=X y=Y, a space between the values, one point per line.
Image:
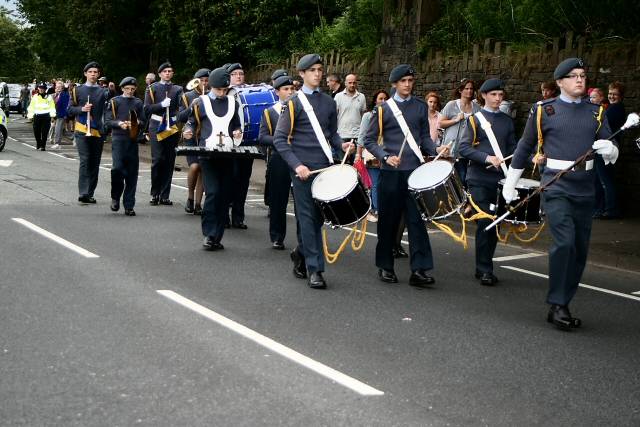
x=484 y=195
x=309 y=225
x=217 y=175
x=569 y=219
x=41 y=126
x=163 y=160
x=278 y=196
x=124 y=170
x=242 y=169
x=89 y=154
x=394 y=200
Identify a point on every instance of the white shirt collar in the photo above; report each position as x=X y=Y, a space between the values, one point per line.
x=398 y=98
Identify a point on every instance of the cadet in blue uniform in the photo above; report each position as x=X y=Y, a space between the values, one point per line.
x=482 y=183
x=88 y=100
x=194 y=179
x=305 y=151
x=569 y=126
x=277 y=169
x=393 y=194
x=125 y=116
x=161 y=103
x=219 y=113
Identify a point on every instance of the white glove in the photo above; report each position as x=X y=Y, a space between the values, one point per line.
x=166 y=102
x=607 y=150
x=509 y=190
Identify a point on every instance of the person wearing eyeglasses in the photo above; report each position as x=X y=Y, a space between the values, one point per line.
x=569 y=125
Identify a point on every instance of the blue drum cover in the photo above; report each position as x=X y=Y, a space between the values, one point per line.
x=254 y=100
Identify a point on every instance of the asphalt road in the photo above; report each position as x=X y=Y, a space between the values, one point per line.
x=146 y=328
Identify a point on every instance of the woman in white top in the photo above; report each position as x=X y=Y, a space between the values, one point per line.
x=454 y=120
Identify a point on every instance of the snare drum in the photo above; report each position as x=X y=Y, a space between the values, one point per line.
x=254 y=100
x=340 y=196
x=530 y=212
x=437 y=190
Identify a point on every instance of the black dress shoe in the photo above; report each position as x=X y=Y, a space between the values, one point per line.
x=299 y=265
x=115 y=205
x=387 y=276
x=166 y=202
x=129 y=212
x=154 y=200
x=197 y=210
x=92 y=200
x=188 y=207
x=84 y=200
x=278 y=246
x=240 y=225
x=316 y=281
x=560 y=316
x=399 y=252
x=487 y=279
x=420 y=279
x=210 y=245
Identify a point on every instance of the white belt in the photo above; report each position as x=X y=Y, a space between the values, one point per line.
x=563 y=164
x=159 y=118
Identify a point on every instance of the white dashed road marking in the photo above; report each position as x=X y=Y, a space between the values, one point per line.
x=67 y=244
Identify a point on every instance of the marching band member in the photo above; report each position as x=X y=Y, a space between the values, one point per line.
x=242 y=167
x=161 y=102
x=125 y=116
x=487 y=139
x=277 y=170
x=194 y=179
x=216 y=114
x=403 y=117
x=568 y=125
x=304 y=136
x=87 y=105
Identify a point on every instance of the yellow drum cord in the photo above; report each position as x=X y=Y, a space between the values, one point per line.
x=356 y=236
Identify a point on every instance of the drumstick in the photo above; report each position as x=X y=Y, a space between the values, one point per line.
x=440 y=154
x=501 y=161
x=346 y=154
x=319 y=170
x=402 y=148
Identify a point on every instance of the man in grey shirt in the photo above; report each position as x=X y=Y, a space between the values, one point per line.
x=350 y=105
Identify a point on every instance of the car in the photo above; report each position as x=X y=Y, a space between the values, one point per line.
x=14 y=97
x=4 y=97
x=4 y=133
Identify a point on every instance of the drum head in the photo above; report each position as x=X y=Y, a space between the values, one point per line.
x=334 y=183
x=523 y=183
x=430 y=174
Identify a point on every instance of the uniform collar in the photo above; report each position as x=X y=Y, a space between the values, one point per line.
x=309 y=91
x=569 y=100
x=398 y=98
x=90 y=84
x=488 y=110
x=162 y=82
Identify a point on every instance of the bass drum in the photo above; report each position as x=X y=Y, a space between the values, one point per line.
x=254 y=99
x=437 y=190
x=530 y=212
x=340 y=196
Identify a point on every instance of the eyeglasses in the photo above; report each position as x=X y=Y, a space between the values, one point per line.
x=576 y=76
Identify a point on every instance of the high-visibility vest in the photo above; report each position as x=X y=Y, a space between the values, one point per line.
x=40 y=105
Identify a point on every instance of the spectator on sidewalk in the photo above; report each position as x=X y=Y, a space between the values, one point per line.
x=61 y=99
x=25 y=98
x=549 y=90
x=334 y=82
x=350 y=105
x=434 y=102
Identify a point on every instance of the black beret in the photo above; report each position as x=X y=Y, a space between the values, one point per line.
x=163 y=66
x=566 y=66
x=202 y=72
x=128 y=81
x=234 y=66
x=92 y=64
x=42 y=84
x=219 y=78
x=492 y=84
x=282 y=81
x=308 y=61
x=102 y=79
x=279 y=72
x=401 y=71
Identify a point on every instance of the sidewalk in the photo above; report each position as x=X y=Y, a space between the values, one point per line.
x=614 y=243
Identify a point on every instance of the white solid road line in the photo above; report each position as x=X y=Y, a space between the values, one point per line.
x=636 y=293
x=179 y=186
x=67 y=244
x=64 y=157
x=593 y=288
x=521 y=256
x=28 y=145
x=330 y=373
x=6 y=163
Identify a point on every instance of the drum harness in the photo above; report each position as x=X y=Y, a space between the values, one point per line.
x=358 y=233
